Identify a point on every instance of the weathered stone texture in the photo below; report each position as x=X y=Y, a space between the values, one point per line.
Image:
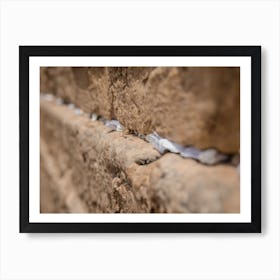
x=92 y=94
x=90 y=168
x=58 y=81
x=196 y=106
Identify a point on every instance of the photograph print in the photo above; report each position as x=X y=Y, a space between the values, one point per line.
x=140 y=139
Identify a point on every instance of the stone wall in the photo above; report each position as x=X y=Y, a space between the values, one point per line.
x=196 y=106
x=87 y=167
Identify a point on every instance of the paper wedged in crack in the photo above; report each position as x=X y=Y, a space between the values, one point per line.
x=99 y=171
x=197 y=106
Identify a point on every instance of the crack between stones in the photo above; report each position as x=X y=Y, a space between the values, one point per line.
x=209 y=156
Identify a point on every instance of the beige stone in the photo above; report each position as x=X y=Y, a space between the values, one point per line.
x=93 y=169
x=197 y=106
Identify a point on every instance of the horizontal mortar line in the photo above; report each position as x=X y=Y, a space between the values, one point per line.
x=162 y=145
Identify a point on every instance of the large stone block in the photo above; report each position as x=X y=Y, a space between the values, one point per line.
x=197 y=106
x=93 y=169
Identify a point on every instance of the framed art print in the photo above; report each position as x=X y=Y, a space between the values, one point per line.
x=140 y=138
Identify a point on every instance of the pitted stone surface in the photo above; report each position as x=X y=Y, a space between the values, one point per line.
x=198 y=106
x=92 y=169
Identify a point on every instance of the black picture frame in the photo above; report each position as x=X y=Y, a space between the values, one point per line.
x=25 y=52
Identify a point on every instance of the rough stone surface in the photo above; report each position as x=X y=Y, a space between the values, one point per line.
x=132 y=106
x=59 y=81
x=86 y=167
x=93 y=94
x=184 y=185
x=197 y=106
x=58 y=195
